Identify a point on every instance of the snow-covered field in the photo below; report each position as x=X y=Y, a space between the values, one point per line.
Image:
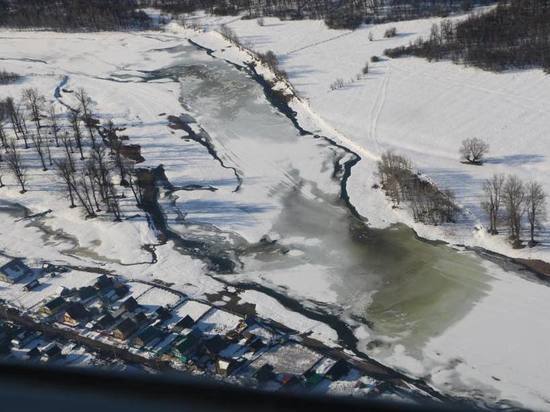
x=423 y=110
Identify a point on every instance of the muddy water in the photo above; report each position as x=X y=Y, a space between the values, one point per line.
x=406 y=290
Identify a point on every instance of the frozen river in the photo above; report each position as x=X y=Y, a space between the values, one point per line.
x=314 y=250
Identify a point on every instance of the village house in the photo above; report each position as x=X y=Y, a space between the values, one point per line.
x=53 y=306
x=50 y=352
x=265 y=373
x=121 y=290
x=104 y=283
x=130 y=304
x=186 y=346
x=87 y=293
x=105 y=322
x=75 y=314
x=148 y=335
x=186 y=323
x=13 y=270
x=340 y=369
x=162 y=313
x=125 y=329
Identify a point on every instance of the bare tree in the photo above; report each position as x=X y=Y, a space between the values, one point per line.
x=74 y=118
x=474 y=150
x=113 y=202
x=24 y=130
x=514 y=195
x=136 y=186
x=120 y=161
x=103 y=170
x=3 y=136
x=109 y=131
x=493 y=199
x=15 y=165
x=35 y=104
x=85 y=103
x=54 y=126
x=38 y=143
x=65 y=171
x=94 y=178
x=535 y=203
x=68 y=146
x=14 y=113
x=83 y=193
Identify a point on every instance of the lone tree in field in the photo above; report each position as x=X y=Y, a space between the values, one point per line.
x=535 y=204
x=514 y=197
x=474 y=150
x=493 y=199
x=15 y=165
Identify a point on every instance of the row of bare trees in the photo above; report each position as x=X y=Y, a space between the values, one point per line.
x=85 y=155
x=400 y=182
x=509 y=200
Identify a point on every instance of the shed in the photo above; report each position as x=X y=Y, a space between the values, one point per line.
x=12 y=271
x=31 y=285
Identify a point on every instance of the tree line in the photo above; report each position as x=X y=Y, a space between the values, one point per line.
x=338 y=14
x=515 y=34
x=508 y=200
x=73 y=15
x=87 y=157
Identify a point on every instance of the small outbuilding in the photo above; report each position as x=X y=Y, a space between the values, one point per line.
x=13 y=270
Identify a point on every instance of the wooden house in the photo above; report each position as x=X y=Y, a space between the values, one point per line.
x=125 y=329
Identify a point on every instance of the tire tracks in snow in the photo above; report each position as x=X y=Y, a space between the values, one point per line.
x=378 y=106
x=309 y=46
